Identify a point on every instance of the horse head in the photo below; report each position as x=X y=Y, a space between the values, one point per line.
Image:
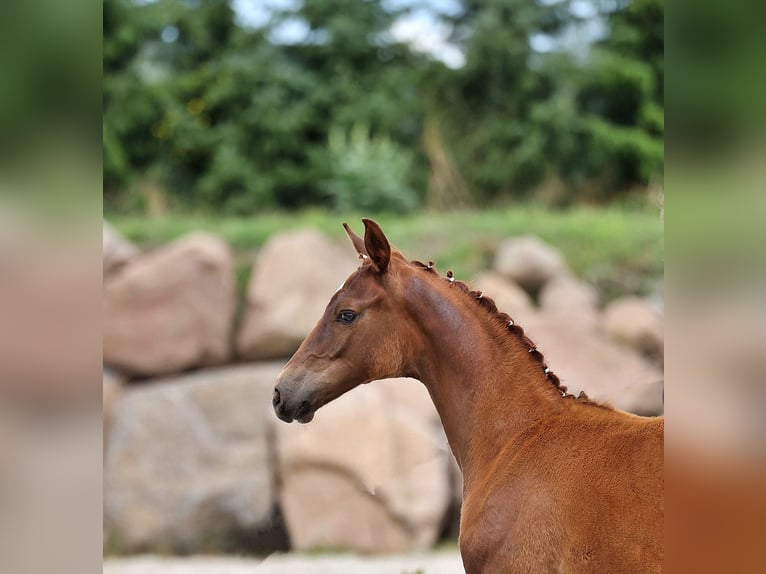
x=362 y=335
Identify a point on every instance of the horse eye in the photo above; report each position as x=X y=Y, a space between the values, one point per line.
x=347 y=316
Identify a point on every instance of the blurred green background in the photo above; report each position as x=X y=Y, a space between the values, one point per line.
x=454 y=122
x=236 y=107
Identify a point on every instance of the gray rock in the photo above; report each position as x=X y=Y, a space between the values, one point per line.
x=171 y=309
x=571 y=300
x=634 y=322
x=369 y=474
x=588 y=361
x=528 y=261
x=188 y=466
x=294 y=277
x=508 y=296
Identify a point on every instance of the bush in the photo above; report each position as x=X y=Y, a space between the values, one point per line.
x=368 y=173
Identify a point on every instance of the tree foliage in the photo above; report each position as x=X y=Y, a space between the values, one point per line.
x=619 y=100
x=227 y=117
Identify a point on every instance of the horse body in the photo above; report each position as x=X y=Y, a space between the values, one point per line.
x=571 y=494
x=552 y=483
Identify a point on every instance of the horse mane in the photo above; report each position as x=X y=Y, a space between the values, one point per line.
x=512 y=327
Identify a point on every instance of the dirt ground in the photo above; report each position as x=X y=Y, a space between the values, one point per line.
x=442 y=562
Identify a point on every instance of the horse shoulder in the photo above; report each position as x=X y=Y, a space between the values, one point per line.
x=611 y=469
x=511 y=523
x=573 y=496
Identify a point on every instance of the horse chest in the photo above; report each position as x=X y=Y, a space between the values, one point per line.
x=511 y=528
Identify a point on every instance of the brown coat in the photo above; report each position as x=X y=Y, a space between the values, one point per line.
x=552 y=483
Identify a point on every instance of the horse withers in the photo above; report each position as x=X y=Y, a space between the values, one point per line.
x=551 y=482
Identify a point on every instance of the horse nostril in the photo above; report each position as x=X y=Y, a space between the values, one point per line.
x=275 y=400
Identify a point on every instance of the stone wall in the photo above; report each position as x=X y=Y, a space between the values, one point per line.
x=195 y=459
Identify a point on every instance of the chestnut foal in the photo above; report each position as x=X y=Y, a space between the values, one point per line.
x=552 y=483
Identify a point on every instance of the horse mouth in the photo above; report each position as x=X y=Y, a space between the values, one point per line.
x=306 y=418
x=303 y=414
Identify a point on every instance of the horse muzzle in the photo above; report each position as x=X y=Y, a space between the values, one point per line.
x=292 y=406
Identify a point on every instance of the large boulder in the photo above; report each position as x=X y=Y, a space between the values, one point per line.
x=294 y=277
x=588 y=361
x=571 y=300
x=369 y=474
x=408 y=395
x=171 y=309
x=528 y=261
x=188 y=466
x=116 y=249
x=507 y=295
x=634 y=322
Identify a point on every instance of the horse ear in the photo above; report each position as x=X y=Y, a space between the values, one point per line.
x=376 y=244
x=356 y=240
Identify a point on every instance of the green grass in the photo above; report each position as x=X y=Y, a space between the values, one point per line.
x=618 y=249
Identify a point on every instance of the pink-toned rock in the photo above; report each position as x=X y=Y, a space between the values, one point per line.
x=116 y=249
x=408 y=394
x=571 y=300
x=528 y=261
x=294 y=277
x=171 y=309
x=369 y=474
x=508 y=296
x=589 y=361
x=112 y=389
x=188 y=466
x=634 y=322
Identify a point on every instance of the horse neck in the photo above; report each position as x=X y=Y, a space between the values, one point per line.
x=485 y=386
